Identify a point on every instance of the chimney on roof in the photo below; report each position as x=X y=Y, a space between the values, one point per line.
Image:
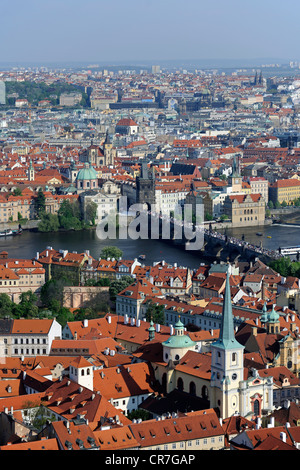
x=138 y=322
x=37 y=255
x=157 y=327
x=171 y=330
x=125 y=319
x=109 y=319
x=272 y=422
x=283 y=436
x=258 y=423
x=85 y=323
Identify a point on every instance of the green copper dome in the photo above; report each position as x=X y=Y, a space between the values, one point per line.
x=264 y=315
x=179 y=339
x=273 y=317
x=183 y=341
x=87 y=173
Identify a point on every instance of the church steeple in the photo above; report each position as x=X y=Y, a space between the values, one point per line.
x=227 y=363
x=264 y=315
x=227 y=338
x=31 y=172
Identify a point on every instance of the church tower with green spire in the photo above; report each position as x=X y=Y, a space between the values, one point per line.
x=227 y=363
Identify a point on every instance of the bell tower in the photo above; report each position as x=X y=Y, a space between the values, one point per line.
x=31 y=172
x=227 y=363
x=81 y=372
x=235 y=179
x=108 y=151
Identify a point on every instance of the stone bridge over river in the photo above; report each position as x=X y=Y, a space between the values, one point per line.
x=213 y=244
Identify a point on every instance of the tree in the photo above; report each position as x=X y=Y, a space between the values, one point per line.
x=156 y=313
x=144 y=415
x=111 y=252
x=26 y=307
x=40 y=203
x=17 y=192
x=98 y=306
x=270 y=205
x=69 y=215
x=91 y=212
x=49 y=223
x=282 y=266
x=118 y=285
x=6 y=306
x=283 y=204
x=52 y=293
x=63 y=316
x=104 y=281
x=297 y=202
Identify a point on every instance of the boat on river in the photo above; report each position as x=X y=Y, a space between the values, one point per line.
x=6 y=233
x=17 y=232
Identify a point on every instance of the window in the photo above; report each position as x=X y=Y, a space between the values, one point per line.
x=256 y=407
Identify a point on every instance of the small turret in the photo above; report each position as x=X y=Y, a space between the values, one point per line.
x=151 y=331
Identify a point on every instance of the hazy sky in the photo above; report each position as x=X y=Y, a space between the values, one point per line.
x=120 y=30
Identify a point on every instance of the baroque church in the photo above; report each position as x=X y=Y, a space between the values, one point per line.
x=218 y=376
x=98 y=156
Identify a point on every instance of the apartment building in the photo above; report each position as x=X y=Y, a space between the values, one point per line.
x=27 y=337
x=199 y=430
x=284 y=190
x=130 y=300
x=18 y=276
x=259 y=185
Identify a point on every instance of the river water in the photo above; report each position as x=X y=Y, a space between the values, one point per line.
x=29 y=243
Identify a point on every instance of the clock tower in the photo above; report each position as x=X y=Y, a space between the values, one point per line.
x=235 y=179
